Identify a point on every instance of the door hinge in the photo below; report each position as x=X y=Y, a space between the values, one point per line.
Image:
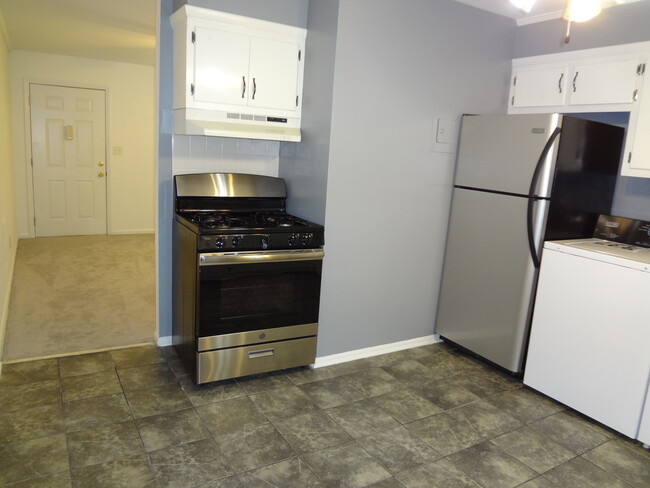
x=32 y=160
x=512 y=100
x=191 y=88
x=299 y=54
x=297 y=100
x=640 y=69
x=635 y=95
x=629 y=157
x=514 y=81
x=34 y=220
x=193 y=37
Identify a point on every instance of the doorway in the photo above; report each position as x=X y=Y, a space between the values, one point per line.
x=68 y=140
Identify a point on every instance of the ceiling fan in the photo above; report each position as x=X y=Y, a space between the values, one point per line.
x=575 y=11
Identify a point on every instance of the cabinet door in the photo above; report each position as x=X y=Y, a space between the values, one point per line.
x=610 y=82
x=273 y=74
x=636 y=159
x=221 y=67
x=539 y=87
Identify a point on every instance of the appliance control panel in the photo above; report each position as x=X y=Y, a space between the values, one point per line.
x=623 y=230
x=253 y=242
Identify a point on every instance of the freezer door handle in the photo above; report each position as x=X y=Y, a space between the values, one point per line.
x=532 y=198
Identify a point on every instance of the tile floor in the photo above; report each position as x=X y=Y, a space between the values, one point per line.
x=421 y=418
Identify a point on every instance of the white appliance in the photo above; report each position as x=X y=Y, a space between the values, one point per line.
x=590 y=334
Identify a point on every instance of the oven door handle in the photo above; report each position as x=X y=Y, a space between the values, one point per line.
x=256 y=257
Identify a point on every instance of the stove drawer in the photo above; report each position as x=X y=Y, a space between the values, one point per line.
x=242 y=361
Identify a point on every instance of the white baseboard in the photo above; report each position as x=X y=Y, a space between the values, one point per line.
x=164 y=341
x=375 y=351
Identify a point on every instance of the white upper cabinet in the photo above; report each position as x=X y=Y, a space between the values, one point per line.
x=604 y=82
x=539 y=87
x=235 y=76
x=609 y=79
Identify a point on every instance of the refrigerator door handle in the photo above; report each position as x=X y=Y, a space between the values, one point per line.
x=532 y=198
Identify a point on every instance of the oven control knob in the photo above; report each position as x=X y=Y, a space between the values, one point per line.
x=306 y=238
x=266 y=242
x=235 y=241
x=293 y=239
x=219 y=242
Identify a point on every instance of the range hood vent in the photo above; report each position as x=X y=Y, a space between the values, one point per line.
x=232 y=124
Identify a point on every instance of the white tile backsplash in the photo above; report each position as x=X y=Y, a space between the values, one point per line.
x=199 y=154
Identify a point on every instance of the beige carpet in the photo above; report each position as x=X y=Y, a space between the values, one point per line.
x=80 y=293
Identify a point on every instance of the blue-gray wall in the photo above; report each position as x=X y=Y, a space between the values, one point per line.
x=620 y=25
x=396 y=64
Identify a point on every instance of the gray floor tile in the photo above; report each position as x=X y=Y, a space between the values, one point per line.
x=34 y=458
x=300 y=376
x=581 y=473
x=486 y=419
x=154 y=401
x=533 y=449
x=331 y=392
x=445 y=433
x=539 y=482
x=387 y=483
x=28 y=424
x=211 y=392
x=129 y=472
x=444 y=394
x=189 y=465
x=59 y=480
x=405 y=405
x=363 y=418
x=525 y=405
x=93 y=412
x=480 y=384
x=85 y=364
x=491 y=467
x=312 y=431
x=136 y=356
x=90 y=385
x=347 y=466
x=103 y=444
x=29 y=395
x=283 y=402
x=253 y=447
x=450 y=363
x=148 y=376
x=627 y=462
x=409 y=371
x=263 y=382
x=231 y=415
x=371 y=382
x=399 y=449
x=570 y=431
x=171 y=429
x=291 y=473
x=441 y=473
x=29 y=371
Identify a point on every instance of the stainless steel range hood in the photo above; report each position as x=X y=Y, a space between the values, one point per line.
x=233 y=124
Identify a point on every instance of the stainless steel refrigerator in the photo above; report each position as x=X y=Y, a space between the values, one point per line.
x=520 y=180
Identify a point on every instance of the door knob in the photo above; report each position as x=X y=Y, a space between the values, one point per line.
x=100 y=174
x=101 y=163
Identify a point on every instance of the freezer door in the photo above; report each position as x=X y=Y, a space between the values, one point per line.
x=489 y=278
x=500 y=152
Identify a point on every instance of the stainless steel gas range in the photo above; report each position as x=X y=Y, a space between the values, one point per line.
x=246 y=277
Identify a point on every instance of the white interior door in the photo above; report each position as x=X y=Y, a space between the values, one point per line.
x=68 y=127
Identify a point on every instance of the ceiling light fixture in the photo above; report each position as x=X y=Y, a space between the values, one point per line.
x=575 y=11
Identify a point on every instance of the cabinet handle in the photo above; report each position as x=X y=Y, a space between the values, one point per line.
x=243 y=90
x=574 y=81
x=254 y=88
x=559 y=83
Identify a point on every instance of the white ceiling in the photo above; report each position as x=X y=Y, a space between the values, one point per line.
x=115 y=30
x=125 y=30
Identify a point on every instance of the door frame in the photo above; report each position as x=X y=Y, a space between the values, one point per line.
x=29 y=171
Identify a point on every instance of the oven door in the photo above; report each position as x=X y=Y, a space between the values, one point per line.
x=257 y=296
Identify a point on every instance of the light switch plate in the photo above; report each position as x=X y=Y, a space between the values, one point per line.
x=444 y=133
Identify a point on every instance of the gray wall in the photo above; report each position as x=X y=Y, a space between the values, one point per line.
x=621 y=25
x=396 y=65
x=165 y=205
x=290 y=12
x=304 y=166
